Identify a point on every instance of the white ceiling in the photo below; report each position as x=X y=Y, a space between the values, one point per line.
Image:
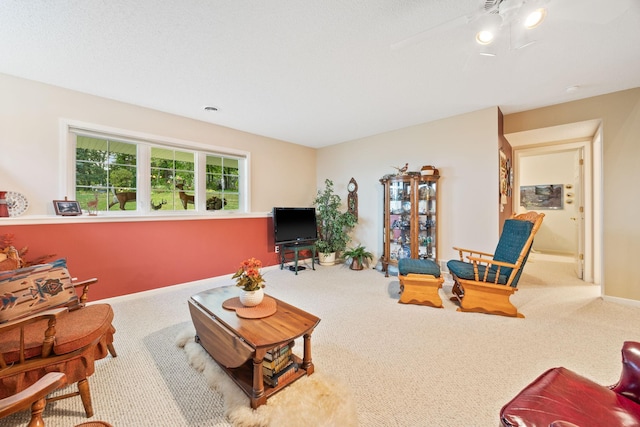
x=315 y=72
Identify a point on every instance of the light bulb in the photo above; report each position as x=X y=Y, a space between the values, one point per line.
x=535 y=18
x=484 y=37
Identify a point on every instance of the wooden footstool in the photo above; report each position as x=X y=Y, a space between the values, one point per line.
x=420 y=281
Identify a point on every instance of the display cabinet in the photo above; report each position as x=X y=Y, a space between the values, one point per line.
x=410 y=227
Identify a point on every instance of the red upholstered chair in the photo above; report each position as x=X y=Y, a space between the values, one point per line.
x=45 y=327
x=562 y=398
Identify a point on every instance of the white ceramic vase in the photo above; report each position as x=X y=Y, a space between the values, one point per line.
x=251 y=298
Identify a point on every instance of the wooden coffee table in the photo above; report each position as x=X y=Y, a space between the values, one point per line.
x=239 y=345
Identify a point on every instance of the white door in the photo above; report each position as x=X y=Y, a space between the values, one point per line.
x=578 y=211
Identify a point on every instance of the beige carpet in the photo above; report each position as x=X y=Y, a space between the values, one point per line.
x=405 y=365
x=316 y=400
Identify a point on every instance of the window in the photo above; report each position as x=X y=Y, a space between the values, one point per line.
x=131 y=174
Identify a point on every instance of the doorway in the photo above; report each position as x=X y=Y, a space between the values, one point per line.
x=551 y=180
x=566 y=160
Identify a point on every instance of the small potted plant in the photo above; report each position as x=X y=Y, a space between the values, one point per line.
x=359 y=257
x=249 y=278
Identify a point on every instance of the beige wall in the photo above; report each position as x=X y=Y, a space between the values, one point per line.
x=620 y=114
x=464 y=149
x=30 y=116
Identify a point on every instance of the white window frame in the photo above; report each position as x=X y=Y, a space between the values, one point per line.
x=144 y=141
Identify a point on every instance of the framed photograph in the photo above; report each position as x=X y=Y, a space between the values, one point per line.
x=67 y=207
x=541 y=196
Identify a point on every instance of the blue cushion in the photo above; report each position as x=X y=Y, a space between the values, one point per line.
x=418 y=266
x=514 y=236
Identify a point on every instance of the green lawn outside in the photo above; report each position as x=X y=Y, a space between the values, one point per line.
x=164 y=200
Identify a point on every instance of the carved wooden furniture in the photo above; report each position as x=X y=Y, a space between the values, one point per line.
x=34 y=397
x=45 y=327
x=239 y=344
x=560 y=397
x=420 y=281
x=486 y=281
x=410 y=218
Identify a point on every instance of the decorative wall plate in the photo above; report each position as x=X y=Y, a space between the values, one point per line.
x=16 y=203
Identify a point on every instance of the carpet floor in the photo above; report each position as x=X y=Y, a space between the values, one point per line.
x=404 y=365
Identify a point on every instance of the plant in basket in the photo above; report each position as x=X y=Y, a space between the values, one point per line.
x=249 y=278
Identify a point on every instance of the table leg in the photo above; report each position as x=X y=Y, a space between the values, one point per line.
x=313 y=257
x=281 y=257
x=295 y=264
x=307 y=363
x=258 y=396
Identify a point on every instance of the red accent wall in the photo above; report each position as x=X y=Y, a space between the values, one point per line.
x=130 y=257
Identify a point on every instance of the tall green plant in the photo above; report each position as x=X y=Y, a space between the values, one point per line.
x=333 y=225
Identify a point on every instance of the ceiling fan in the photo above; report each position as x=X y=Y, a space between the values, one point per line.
x=493 y=20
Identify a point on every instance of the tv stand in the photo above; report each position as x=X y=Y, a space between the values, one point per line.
x=296 y=248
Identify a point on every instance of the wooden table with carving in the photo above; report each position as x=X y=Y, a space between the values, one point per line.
x=239 y=344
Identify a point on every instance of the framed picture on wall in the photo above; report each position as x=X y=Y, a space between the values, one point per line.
x=67 y=207
x=541 y=196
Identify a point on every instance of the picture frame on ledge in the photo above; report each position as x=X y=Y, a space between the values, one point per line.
x=67 y=207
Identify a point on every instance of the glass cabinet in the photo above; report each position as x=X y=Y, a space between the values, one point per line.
x=410 y=218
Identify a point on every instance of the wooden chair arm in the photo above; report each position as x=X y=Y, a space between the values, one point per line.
x=489 y=263
x=85 y=288
x=36 y=317
x=49 y=334
x=471 y=252
x=34 y=393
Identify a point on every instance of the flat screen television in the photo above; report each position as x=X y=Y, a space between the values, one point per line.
x=292 y=225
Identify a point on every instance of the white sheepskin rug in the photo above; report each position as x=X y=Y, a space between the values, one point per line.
x=316 y=400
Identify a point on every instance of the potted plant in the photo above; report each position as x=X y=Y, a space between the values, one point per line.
x=333 y=224
x=359 y=257
x=248 y=277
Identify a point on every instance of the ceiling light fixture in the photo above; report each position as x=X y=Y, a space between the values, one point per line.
x=518 y=16
x=484 y=37
x=488 y=26
x=535 y=18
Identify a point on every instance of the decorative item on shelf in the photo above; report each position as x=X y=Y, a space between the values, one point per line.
x=401 y=170
x=92 y=205
x=251 y=281
x=429 y=170
x=359 y=257
x=4 y=210
x=67 y=207
x=12 y=204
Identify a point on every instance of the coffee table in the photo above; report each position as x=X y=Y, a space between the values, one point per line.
x=239 y=344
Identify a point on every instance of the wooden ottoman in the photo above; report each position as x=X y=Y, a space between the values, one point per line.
x=420 y=281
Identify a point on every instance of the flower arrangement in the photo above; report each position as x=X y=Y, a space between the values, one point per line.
x=12 y=259
x=248 y=275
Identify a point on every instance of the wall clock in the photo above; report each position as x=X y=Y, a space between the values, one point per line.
x=352 y=198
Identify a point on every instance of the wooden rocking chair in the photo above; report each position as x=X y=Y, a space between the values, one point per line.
x=485 y=282
x=45 y=327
